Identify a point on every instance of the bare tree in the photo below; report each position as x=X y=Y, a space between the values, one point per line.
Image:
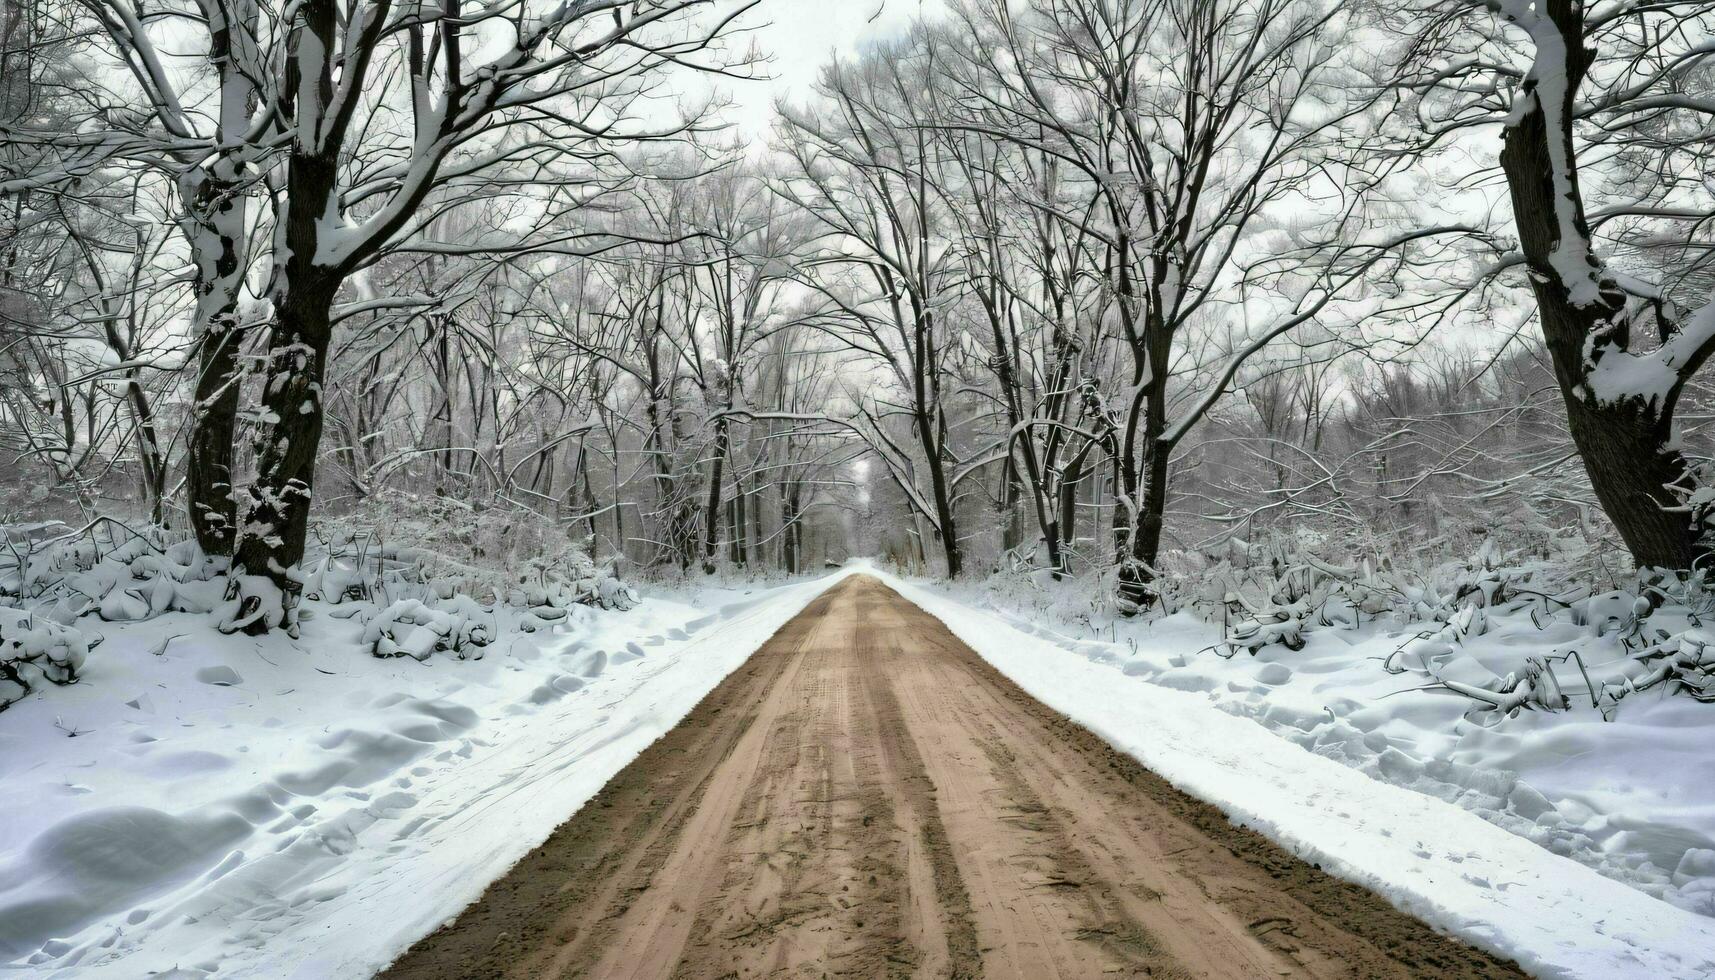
x=1192 y=125
x=1604 y=113
x=867 y=171
x=295 y=106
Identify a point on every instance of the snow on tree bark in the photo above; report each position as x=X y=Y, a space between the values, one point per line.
x=1620 y=415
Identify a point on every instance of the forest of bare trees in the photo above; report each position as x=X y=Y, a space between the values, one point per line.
x=1071 y=286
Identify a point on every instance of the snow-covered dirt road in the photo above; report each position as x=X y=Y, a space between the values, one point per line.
x=301 y=809
x=868 y=797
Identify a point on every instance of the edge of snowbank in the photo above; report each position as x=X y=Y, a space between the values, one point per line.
x=1447 y=866
x=363 y=945
x=316 y=815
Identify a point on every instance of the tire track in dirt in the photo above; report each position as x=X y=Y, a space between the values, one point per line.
x=867 y=797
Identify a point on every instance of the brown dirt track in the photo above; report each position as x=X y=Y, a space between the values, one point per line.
x=866 y=797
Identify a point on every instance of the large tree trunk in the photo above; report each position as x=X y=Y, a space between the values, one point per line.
x=589 y=505
x=1626 y=445
x=148 y=448
x=789 y=526
x=1010 y=538
x=712 y=511
x=734 y=531
x=214 y=200
x=670 y=514
x=1140 y=536
x=1071 y=478
x=277 y=502
x=932 y=433
x=214 y=429
x=440 y=323
x=738 y=523
x=1141 y=476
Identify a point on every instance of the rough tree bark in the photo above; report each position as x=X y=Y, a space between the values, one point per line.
x=712 y=509
x=214 y=203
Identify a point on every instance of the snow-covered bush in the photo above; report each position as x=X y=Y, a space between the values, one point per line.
x=425 y=574
x=1683 y=663
x=492 y=553
x=1653 y=632
x=52 y=576
x=1264 y=624
x=1272 y=593
x=109 y=569
x=415 y=628
x=1649 y=635
x=34 y=648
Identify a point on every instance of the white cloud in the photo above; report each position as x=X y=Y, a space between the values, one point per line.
x=797 y=37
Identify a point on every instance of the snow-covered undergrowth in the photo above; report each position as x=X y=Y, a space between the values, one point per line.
x=57 y=584
x=272 y=807
x=1566 y=712
x=36 y=650
x=491 y=554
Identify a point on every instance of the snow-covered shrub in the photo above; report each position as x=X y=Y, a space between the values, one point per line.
x=1649 y=635
x=1656 y=632
x=1256 y=626
x=417 y=569
x=1535 y=686
x=493 y=553
x=1263 y=594
x=1683 y=663
x=33 y=648
x=415 y=628
x=109 y=569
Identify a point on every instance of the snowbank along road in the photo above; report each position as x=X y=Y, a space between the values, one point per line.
x=866 y=797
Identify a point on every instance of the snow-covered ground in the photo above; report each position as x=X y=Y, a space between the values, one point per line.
x=1395 y=792
x=279 y=808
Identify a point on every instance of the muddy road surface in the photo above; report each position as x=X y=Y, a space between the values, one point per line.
x=866 y=797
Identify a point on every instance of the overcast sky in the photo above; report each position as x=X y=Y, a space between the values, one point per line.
x=799 y=36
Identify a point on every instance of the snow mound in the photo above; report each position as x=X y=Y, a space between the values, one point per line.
x=101 y=860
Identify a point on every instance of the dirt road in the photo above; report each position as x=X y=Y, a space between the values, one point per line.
x=866 y=797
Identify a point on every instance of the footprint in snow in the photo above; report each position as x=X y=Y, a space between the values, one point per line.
x=592 y=665
x=219 y=676
x=554 y=689
x=392 y=803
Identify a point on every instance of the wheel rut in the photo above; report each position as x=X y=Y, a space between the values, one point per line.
x=867 y=797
